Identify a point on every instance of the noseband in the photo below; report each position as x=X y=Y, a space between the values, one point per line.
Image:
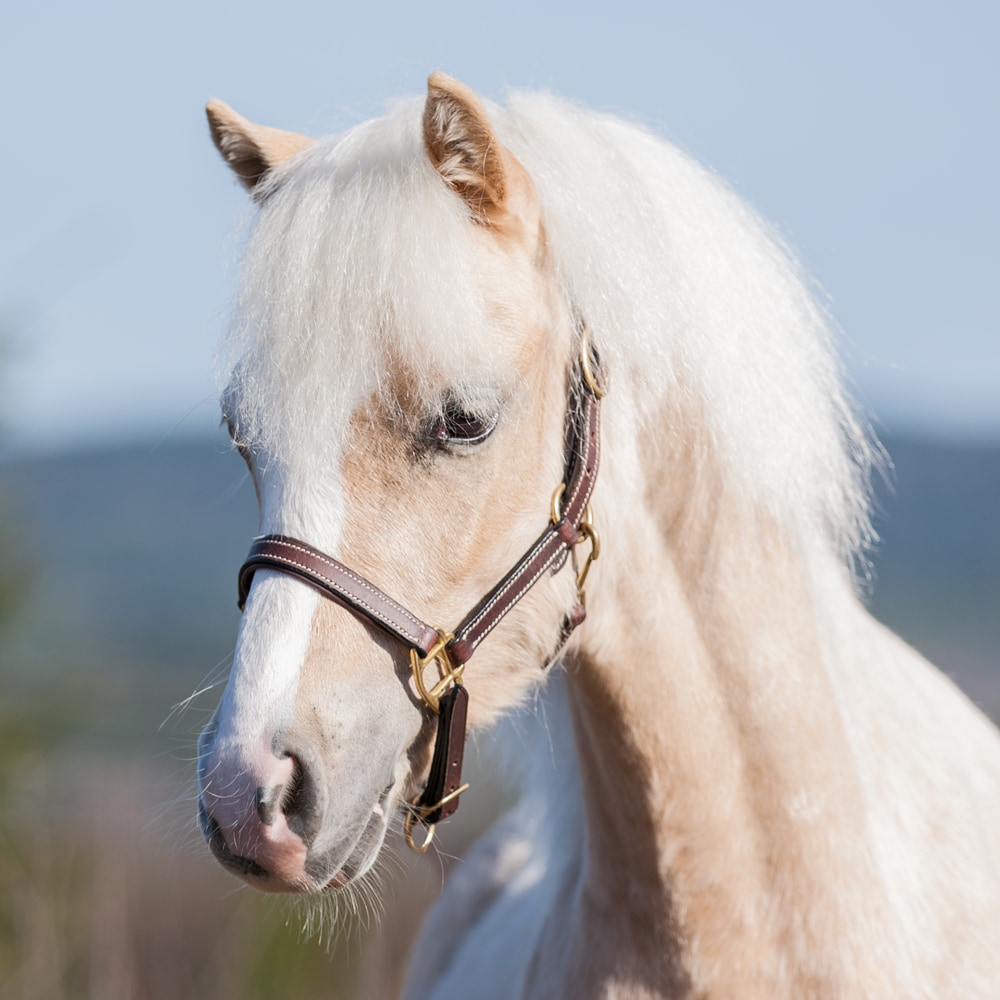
x=569 y=524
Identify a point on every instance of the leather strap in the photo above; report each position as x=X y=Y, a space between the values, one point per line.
x=335 y=581
x=554 y=543
x=445 y=776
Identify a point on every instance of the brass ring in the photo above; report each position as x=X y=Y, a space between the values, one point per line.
x=417 y=814
x=411 y=818
x=556 y=512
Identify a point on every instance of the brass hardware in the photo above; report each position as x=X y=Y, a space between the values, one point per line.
x=587 y=530
x=585 y=364
x=421 y=848
x=556 y=512
x=417 y=814
x=450 y=673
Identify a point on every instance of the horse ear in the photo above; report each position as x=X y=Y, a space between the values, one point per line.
x=465 y=152
x=251 y=150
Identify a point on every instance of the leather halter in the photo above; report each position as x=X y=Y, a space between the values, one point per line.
x=569 y=524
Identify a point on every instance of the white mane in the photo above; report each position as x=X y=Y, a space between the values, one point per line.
x=360 y=255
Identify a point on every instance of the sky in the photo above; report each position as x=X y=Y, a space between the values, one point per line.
x=867 y=132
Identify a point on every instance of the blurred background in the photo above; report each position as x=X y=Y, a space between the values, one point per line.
x=865 y=131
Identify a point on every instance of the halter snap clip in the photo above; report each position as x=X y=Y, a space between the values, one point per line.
x=417 y=814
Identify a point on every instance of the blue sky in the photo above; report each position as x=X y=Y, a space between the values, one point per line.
x=868 y=132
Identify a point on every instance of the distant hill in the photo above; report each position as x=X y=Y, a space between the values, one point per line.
x=135 y=551
x=132 y=600
x=937 y=567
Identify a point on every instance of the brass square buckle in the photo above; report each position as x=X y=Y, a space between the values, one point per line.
x=450 y=673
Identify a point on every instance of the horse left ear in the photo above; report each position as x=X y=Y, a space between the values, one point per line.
x=464 y=150
x=251 y=150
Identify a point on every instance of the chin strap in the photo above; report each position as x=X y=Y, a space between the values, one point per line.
x=570 y=523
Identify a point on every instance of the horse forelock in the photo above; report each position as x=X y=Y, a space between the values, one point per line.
x=359 y=269
x=362 y=261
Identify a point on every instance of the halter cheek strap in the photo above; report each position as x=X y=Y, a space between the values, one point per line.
x=569 y=524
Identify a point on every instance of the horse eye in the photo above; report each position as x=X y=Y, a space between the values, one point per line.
x=456 y=426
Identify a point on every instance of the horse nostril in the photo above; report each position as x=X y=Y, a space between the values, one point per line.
x=268 y=801
x=295 y=787
x=207 y=824
x=297 y=801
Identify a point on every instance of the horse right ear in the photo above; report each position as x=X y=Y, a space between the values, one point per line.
x=463 y=148
x=251 y=150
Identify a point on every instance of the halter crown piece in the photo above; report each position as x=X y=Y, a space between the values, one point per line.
x=570 y=523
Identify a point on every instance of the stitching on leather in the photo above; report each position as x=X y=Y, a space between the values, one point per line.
x=524 y=589
x=580 y=486
x=533 y=553
x=340 y=588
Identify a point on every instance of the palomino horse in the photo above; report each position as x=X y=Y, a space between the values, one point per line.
x=736 y=782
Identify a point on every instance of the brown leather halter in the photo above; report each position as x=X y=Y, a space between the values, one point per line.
x=569 y=524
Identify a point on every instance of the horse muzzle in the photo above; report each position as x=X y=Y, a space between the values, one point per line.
x=266 y=818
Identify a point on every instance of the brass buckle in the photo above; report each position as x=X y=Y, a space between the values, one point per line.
x=417 y=814
x=450 y=673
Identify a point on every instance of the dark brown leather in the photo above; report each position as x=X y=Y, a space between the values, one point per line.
x=334 y=580
x=445 y=777
x=555 y=541
x=547 y=551
x=572 y=620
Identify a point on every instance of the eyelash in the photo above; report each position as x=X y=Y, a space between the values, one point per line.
x=455 y=426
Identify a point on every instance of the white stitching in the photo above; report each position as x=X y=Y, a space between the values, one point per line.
x=340 y=589
x=592 y=433
x=532 y=553
x=537 y=548
x=580 y=483
x=527 y=586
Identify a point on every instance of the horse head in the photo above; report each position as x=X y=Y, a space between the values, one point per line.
x=398 y=388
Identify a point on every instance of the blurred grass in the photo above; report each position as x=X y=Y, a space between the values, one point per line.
x=91 y=906
x=107 y=891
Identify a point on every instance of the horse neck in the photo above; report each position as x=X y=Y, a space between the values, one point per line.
x=716 y=773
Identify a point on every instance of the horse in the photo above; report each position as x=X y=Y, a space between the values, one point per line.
x=534 y=361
